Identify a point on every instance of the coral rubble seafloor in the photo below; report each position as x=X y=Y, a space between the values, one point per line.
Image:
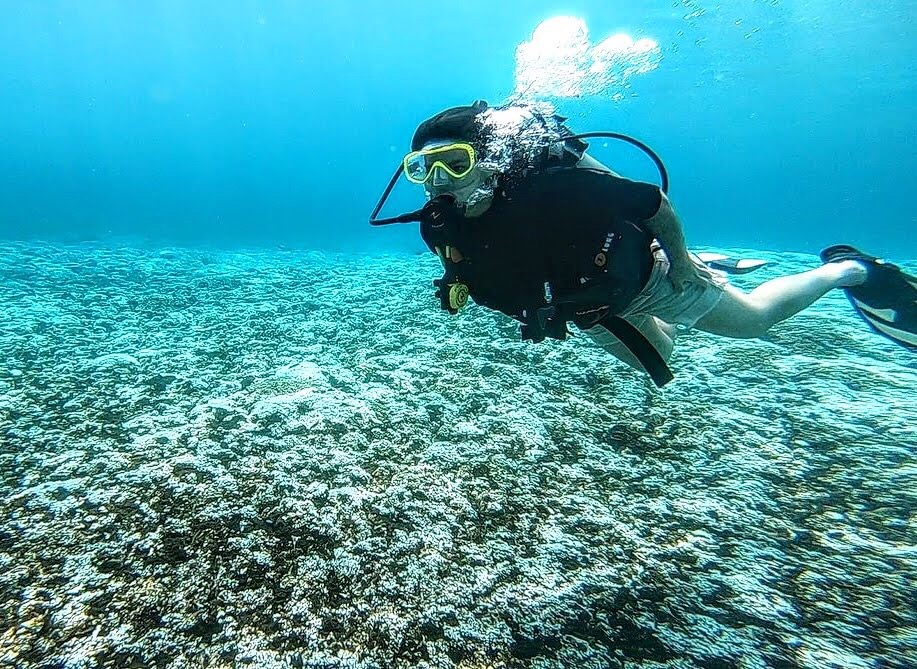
x=294 y=459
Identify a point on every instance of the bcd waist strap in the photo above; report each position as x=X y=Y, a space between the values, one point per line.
x=640 y=346
x=551 y=321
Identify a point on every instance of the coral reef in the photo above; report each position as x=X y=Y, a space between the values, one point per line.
x=293 y=459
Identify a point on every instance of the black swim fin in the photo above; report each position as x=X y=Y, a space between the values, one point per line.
x=730 y=265
x=887 y=301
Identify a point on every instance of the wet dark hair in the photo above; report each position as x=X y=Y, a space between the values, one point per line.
x=454 y=123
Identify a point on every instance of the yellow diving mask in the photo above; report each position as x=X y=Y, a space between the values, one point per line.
x=457 y=160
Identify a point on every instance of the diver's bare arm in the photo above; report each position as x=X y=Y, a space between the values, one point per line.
x=666 y=228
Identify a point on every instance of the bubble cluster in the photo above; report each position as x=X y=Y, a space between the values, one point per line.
x=561 y=61
x=515 y=137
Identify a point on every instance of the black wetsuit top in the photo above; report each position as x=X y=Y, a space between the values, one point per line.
x=551 y=230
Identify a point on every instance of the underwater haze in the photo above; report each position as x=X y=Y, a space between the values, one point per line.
x=785 y=125
x=238 y=431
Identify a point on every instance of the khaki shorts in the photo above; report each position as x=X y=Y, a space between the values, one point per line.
x=660 y=299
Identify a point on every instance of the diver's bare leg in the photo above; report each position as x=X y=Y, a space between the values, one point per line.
x=748 y=315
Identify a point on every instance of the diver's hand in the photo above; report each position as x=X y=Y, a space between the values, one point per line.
x=683 y=273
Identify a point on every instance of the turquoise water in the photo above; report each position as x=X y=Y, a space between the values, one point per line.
x=237 y=431
x=786 y=125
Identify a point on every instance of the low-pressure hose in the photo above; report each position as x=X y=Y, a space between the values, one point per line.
x=663 y=173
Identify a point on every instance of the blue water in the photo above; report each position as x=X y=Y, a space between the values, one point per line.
x=236 y=430
x=785 y=125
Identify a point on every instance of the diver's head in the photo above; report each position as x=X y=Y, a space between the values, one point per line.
x=476 y=151
x=446 y=156
x=451 y=166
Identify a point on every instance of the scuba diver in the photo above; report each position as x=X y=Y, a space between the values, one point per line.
x=527 y=223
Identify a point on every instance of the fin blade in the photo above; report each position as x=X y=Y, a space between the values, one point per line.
x=903 y=337
x=885 y=315
x=730 y=265
x=887 y=323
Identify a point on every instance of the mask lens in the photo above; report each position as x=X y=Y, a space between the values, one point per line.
x=456 y=159
x=415 y=168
